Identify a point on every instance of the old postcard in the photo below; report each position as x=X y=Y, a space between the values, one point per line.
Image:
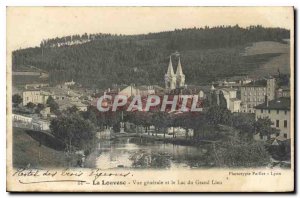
x=150 y=99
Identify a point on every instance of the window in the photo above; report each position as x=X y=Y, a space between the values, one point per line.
x=285 y=112
x=277 y=123
x=285 y=135
x=261 y=111
x=269 y=111
x=285 y=124
x=277 y=111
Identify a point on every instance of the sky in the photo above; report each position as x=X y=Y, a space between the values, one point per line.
x=27 y=26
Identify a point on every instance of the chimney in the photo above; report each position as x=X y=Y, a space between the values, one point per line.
x=266 y=101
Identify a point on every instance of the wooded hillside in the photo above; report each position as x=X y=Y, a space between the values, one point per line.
x=100 y=60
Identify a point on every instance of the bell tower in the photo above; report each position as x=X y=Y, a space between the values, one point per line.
x=180 y=77
x=170 y=77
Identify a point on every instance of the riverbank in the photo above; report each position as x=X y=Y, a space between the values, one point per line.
x=167 y=139
x=36 y=150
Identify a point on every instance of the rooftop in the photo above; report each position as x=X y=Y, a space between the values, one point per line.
x=257 y=83
x=277 y=104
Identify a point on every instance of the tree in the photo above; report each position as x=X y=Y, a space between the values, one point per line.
x=72 y=109
x=73 y=130
x=143 y=119
x=213 y=101
x=222 y=100
x=244 y=123
x=17 y=99
x=159 y=120
x=30 y=105
x=91 y=115
x=217 y=54
x=217 y=115
x=263 y=127
x=52 y=104
x=39 y=108
x=236 y=153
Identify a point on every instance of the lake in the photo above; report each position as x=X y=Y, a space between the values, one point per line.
x=142 y=153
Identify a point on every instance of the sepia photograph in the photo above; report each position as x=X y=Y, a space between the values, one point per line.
x=150 y=99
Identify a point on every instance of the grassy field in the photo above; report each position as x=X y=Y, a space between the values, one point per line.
x=38 y=151
x=281 y=62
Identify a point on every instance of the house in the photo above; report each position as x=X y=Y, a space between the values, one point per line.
x=278 y=111
x=230 y=95
x=40 y=125
x=70 y=83
x=45 y=112
x=61 y=92
x=283 y=91
x=21 y=118
x=36 y=85
x=80 y=106
x=256 y=92
x=201 y=91
x=22 y=121
x=67 y=103
x=234 y=105
x=137 y=90
x=35 y=96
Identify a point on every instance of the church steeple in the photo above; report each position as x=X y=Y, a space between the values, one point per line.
x=180 y=77
x=170 y=71
x=179 y=68
x=170 y=78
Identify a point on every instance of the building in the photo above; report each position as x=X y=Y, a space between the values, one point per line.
x=283 y=91
x=62 y=92
x=137 y=90
x=173 y=80
x=36 y=85
x=21 y=118
x=45 y=112
x=180 y=77
x=71 y=83
x=35 y=96
x=68 y=103
x=230 y=95
x=40 y=125
x=201 y=91
x=256 y=92
x=278 y=111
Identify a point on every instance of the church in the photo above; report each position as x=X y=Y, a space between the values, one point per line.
x=172 y=80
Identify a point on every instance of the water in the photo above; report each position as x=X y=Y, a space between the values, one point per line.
x=141 y=153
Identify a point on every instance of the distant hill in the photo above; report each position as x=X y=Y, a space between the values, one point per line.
x=280 y=62
x=100 y=60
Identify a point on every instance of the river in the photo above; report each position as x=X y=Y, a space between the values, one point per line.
x=139 y=153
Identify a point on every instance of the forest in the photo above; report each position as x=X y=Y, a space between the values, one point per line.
x=100 y=60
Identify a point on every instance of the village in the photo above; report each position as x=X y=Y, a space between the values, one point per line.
x=35 y=105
